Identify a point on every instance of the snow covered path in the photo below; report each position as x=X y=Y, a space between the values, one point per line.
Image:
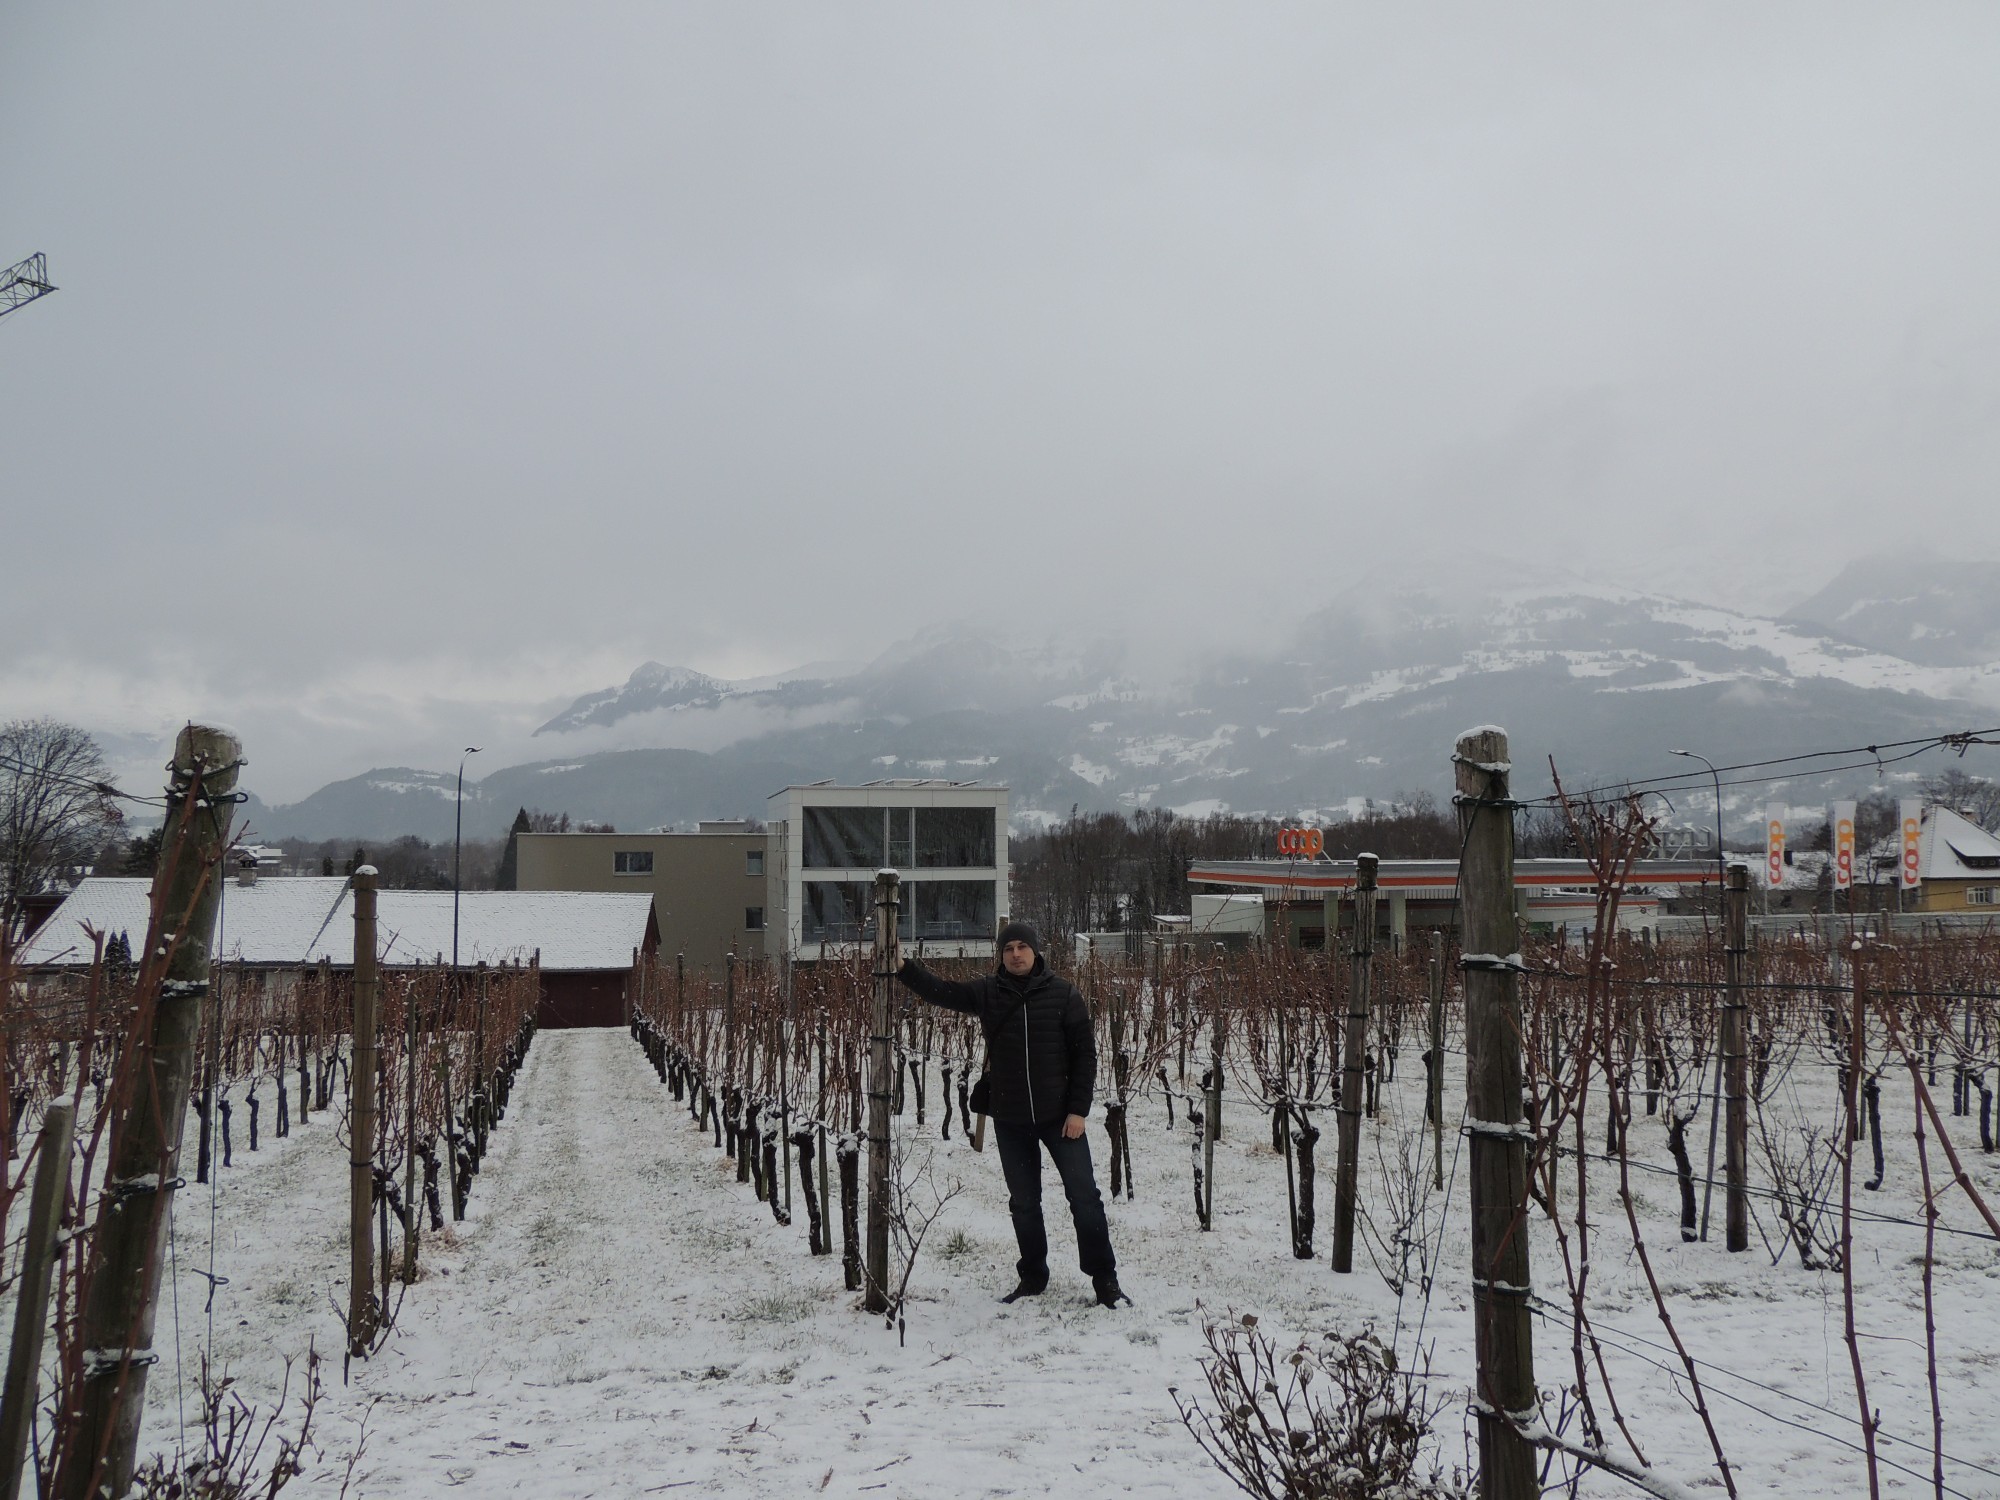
x=619 y=1317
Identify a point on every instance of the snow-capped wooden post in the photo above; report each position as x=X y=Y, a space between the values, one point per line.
x=881 y=1083
x=1736 y=1150
x=1347 y=1174
x=140 y=1179
x=1504 y=1400
x=362 y=1313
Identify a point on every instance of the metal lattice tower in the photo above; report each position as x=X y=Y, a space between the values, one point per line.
x=22 y=284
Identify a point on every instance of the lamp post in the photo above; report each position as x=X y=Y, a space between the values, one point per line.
x=1715 y=776
x=457 y=828
x=1715 y=1098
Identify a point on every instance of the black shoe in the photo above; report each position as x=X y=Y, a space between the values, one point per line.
x=1108 y=1292
x=1027 y=1288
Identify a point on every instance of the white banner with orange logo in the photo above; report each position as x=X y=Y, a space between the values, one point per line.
x=1774 y=846
x=1840 y=823
x=1910 y=814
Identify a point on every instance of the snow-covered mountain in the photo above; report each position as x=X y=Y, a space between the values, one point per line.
x=1929 y=610
x=1359 y=703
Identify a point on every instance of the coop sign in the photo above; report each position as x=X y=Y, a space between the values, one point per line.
x=1910 y=814
x=1301 y=843
x=1842 y=824
x=1774 y=846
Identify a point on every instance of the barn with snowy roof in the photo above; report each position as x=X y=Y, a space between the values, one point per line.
x=586 y=941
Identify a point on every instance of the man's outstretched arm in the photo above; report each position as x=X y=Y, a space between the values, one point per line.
x=952 y=994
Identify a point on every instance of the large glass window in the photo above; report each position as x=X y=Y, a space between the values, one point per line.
x=838 y=911
x=632 y=862
x=843 y=838
x=949 y=909
x=954 y=837
x=902 y=843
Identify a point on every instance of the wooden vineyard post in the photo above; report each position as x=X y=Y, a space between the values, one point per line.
x=31 y=1297
x=412 y=1218
x=362 y=1312
x=1437 y=1059
x=1211 y=1111
x=880 y=1085
x=1504 y=1398
x=142 y=1174
x=1347 y=1178
x=1736 y=1124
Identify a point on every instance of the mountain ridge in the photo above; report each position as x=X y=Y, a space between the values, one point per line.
x=1360 y=703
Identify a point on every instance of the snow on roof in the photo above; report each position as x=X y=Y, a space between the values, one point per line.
x=302 y=919
x=1956 y=848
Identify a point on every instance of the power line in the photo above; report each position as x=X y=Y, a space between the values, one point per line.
x=1859 y=757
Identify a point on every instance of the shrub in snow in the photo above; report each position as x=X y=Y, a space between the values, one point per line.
x=1336 y=1421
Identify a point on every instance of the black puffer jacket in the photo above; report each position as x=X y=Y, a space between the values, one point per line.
x=1040 y=1052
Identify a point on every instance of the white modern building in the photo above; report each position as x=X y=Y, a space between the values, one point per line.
x=946 y=839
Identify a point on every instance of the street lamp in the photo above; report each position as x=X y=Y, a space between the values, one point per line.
x=457 y=828
x=1715 y=776
x=1715 y=1097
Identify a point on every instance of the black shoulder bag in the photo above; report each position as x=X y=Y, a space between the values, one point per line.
x=982 y=1090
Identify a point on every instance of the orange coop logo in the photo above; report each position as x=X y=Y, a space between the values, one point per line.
x=1843 y=845
x=1301 y=843
x=1774 y=849
x=1911 y=867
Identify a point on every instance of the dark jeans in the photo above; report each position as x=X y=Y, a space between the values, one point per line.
x=1021 y=1161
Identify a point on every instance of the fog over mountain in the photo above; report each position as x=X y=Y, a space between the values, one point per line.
x=1356 y=705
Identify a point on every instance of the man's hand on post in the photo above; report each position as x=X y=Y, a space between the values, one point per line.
x=1073 y=1128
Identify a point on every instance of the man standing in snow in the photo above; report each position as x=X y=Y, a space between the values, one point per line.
x=1041 y=1064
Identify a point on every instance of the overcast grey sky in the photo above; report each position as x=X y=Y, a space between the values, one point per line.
x=416 y=362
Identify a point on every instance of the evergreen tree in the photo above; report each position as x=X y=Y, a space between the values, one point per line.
x=510 y=870
x=142 y=855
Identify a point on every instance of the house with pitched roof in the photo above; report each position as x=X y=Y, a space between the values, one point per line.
x=1959 y=865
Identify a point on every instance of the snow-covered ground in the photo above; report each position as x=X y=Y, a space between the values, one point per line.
x=617 y=1317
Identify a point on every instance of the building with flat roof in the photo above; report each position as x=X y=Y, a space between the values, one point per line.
x=585 y=943
x=946 y=839
x=1305 y=897
x=708 y=887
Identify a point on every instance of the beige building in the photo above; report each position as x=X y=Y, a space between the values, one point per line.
x=708 y=888
x=1959 y=865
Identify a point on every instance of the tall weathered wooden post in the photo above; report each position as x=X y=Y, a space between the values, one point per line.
x=143 y=1172
x=362 y=1314
x=31 y=1294
x=881 y=1084
x=1498 y=1147
x=1736 y=1123
x=1353 y=1047
x=412 y=1218
x=1436 y=1080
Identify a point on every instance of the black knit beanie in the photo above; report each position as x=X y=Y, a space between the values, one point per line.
x=1018 y=932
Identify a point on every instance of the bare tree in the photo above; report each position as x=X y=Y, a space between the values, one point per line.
x=1969 y=796
x=56 y=808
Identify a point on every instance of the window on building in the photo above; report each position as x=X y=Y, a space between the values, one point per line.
x=753 y=918
x=837 y=911
x=632 y=862
x=954 y=838
x=942 y=909
x=753 y=862
x=902 y=843
x=843 y=838
x=1982 y=895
